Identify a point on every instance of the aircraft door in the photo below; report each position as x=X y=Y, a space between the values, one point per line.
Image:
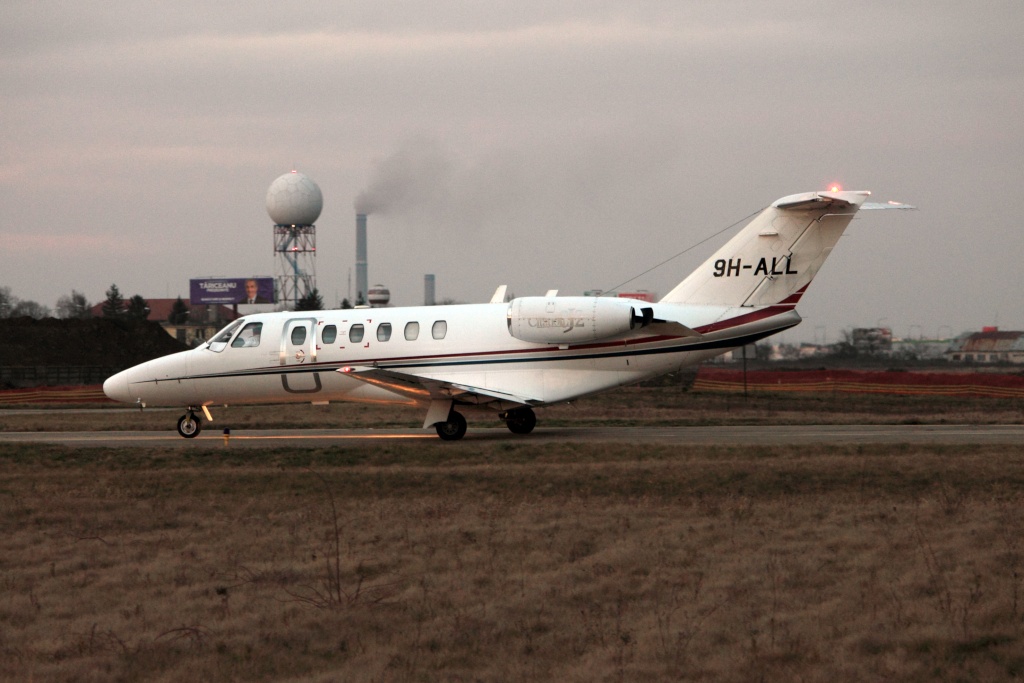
x=298 y=355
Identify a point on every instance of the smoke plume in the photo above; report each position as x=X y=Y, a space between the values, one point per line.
x=417 y=174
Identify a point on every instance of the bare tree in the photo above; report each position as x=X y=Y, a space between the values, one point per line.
x=31 y=309
x=74 y=306
x=7 y=302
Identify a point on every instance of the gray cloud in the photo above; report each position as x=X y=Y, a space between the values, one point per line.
x=538 y=144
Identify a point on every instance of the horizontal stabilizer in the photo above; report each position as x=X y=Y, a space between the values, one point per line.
x=877 y=206
x=814 y=200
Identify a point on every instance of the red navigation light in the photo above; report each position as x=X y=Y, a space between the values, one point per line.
x=835 y=187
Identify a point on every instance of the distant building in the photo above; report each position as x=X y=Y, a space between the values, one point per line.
x=872 y=341
x=988 y=346
x=203 y=320
x=808 y=350
x=921 y=349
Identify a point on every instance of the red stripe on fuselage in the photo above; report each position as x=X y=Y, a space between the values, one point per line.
x=794 y=298
x=753 y=316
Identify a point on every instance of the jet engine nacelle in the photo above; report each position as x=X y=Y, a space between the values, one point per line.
x=571 y=319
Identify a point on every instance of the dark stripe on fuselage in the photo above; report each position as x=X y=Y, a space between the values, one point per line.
x=449 y=360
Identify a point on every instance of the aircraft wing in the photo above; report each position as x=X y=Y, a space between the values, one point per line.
x=430 y=389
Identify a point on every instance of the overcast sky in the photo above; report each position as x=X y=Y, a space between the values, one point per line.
x=541 y=145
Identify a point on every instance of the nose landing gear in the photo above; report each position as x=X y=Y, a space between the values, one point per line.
x=189 y=426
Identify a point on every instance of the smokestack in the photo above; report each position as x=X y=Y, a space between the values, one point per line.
x=362 y=281
x=428 y=289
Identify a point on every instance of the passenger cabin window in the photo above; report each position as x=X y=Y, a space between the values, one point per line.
x=220 y=340
x=329 y=334
x=355 y=333
x=299 y=335
x=440 y=329
x=249 y=337
x=412 y=330
x=383 y=331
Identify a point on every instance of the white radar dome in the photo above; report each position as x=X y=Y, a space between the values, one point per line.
x=294 y=199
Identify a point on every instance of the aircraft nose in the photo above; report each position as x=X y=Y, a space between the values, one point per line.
x=116 y=387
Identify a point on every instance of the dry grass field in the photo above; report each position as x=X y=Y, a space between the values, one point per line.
x=503 y=561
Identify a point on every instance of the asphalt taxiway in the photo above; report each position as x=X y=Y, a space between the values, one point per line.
x=775 y=435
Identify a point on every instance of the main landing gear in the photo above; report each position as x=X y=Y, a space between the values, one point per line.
x=452 y=430
x=520 y=420
x=189 y=425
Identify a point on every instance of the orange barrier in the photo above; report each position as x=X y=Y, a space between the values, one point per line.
x=862 y=382
x=83 y=394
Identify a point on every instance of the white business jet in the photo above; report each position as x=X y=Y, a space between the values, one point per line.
x=506 y=357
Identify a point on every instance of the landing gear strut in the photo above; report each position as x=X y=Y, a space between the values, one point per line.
x=452 y=430
x=521 y=420
x=189 y=426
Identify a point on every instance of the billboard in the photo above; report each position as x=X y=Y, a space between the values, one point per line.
x=231 y=290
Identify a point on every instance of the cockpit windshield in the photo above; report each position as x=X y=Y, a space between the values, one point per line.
x=221 y=339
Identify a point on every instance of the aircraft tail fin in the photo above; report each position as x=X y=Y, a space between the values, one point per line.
x=774 y=258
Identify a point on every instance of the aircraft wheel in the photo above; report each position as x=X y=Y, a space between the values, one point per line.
x=452 y=430
x=521 y=420
x=188 y=426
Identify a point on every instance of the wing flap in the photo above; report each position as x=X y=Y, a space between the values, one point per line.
x=430 y=389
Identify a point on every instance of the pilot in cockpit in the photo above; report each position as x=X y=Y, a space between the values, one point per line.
x=249 y=336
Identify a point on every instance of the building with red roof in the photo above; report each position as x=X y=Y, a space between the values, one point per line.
x=988 y=346
x=203 y=320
